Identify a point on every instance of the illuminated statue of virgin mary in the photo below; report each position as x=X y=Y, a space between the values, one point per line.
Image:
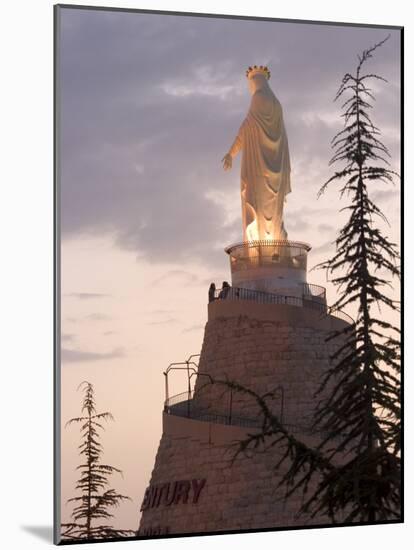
x=265 y=166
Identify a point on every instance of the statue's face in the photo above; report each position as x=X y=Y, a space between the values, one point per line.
x=252 y=87
x=258 y=82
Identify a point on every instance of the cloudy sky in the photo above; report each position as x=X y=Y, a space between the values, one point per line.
x=149 y=105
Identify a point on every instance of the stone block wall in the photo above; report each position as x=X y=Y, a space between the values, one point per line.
x=231 y=497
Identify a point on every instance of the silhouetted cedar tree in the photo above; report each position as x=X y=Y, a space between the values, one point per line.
x=91 y=515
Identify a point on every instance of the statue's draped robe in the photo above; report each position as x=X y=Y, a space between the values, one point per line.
x=265 y=167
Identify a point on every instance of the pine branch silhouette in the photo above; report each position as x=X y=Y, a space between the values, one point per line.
x=91 y=512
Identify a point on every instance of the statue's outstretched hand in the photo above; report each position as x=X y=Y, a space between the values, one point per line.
x=227 y=161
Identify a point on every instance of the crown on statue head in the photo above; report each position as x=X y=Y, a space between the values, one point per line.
x=258 y=69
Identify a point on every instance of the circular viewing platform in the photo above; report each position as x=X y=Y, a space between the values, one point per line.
x=269 y=266
x=313 y=298
x=250 y=254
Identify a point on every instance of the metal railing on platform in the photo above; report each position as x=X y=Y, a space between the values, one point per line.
x=260 y=296
x=309 y=289
x=253 y=254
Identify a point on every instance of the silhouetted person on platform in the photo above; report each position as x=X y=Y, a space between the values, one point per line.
x=224 y=290
x=211 y=293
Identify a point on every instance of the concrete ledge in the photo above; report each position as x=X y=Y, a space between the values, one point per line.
x=277 y=313
x=208 y=432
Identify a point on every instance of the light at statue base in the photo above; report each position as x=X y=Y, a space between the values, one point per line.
x=276 y=266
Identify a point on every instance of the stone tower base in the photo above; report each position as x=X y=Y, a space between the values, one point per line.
x=195 y=487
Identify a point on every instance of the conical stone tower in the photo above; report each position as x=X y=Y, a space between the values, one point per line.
x=267 y=332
